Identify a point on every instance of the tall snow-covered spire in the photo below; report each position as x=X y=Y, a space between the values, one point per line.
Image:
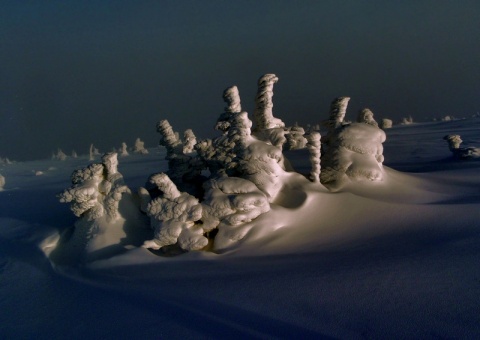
x=263 y=114
x=232 y=98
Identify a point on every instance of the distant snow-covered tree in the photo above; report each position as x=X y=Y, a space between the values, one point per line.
x=407 y=120
x=386 y=123
x=454 y=142
x=59 y=156
x=93 y=152
x=123 y=150
x=2 y=182
x=139 y=147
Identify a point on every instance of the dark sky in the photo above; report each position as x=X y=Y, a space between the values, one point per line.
x=77 y=72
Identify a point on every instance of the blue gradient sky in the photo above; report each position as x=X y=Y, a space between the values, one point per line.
x=77 y=72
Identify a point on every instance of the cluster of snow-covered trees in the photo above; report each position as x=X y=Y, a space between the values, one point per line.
x=214 y=188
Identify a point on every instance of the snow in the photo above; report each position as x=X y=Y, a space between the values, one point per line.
x=397 y=258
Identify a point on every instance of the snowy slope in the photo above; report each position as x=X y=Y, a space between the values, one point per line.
x=392 y=259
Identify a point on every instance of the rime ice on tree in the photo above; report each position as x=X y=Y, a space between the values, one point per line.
x=189 y=141
x=267 y=127
x=295 y=138
x=314 y=148
x=184 y=170
x=123 y=150
x=354 y=151
x=386 y=123
x=173 y=217
x=454 y=142
x=231 y=96
x=96 y=190
x=139 y=147
x=59 y=156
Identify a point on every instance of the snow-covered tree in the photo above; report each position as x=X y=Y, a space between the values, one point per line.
x=181 y=167
x=173 y=217
x=354 y=152
x=93 y=152
x=231 y=97
x=123 y=150
x=189 y=141
x=295 y=138
x=386 y=123
x=59 y=156
x=139 y=147
x=407 y=120
x=454 y=142
x=2 y=182
x=96 y=190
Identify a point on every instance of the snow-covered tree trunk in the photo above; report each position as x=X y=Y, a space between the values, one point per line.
x=314 y=147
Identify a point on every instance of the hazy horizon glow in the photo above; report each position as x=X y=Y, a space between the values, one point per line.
x=74 y=73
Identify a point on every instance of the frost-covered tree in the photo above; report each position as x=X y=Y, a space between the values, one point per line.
x=407 y=120
x=96 y=190
x=231 y=97
x=59 y=156
x=454 y=142
x=123 y=150
x=263 y=114
x=295 y=138
x=2 y=182
x=366 y=116
x=189 y=141
x=184 y=170
x=267 y=127
x=93 y=152
x=5 y=161
x=354 y=153
x=338 y=109
x=386 y=123
x=139 y=147
x=314 y=148
x=174 y=217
